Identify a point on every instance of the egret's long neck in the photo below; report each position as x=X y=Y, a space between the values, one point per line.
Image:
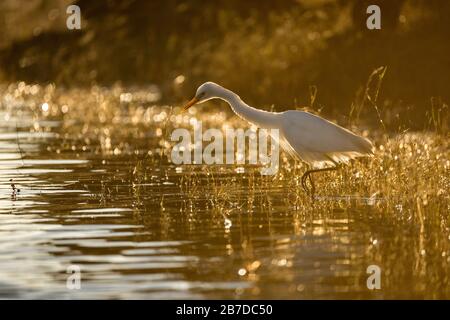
x=260 y=118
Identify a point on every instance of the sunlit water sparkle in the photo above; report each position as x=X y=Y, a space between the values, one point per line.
x=144 y=229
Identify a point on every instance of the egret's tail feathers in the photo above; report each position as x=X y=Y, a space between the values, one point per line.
x=318 y=159
x=322 y=160
x=345 y=157
x=351 y=147
x=363 y=146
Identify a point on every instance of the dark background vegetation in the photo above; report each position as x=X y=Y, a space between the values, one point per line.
x=270 y=52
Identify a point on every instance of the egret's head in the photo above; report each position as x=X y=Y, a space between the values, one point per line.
x=206 y=91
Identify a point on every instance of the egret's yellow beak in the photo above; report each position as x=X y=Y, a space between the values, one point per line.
x=190 y=104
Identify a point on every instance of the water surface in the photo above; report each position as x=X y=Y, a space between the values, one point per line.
x=140 y=227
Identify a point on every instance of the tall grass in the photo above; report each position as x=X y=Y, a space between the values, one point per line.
x=400 y=195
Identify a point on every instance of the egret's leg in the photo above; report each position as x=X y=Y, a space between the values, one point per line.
x=308 y=174
x=313 y=186
x=304 y=177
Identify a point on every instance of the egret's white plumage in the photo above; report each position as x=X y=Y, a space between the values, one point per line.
x=320 y=142
x=317 y=141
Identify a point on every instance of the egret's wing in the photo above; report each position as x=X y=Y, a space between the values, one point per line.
x=281 y=141
x=321 y=142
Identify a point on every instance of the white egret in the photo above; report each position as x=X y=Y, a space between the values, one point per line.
x=320 y=143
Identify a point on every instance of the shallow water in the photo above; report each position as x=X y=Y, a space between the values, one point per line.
x=139 y=227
